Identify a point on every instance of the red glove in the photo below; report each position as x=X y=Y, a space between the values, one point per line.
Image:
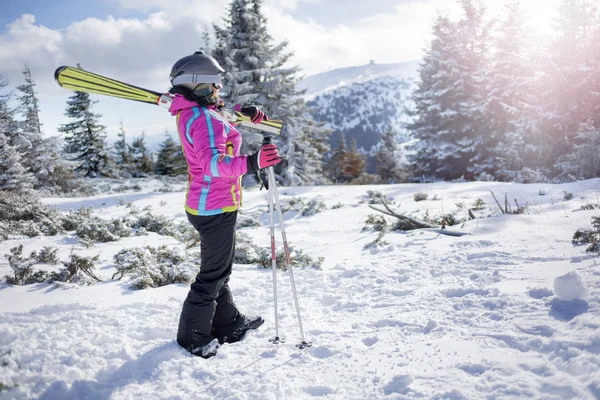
x=256 y=115
x=267 y=156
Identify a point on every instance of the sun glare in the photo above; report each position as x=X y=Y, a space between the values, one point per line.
x=541 y=13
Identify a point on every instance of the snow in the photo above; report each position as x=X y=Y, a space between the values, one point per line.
x=570 y=287
x=511 y=310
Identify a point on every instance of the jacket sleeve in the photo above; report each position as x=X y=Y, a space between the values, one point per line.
x=210 y=134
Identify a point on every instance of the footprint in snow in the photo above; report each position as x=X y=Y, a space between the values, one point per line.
x=370 y=341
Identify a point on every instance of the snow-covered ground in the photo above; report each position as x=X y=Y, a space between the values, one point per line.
x=423 y=316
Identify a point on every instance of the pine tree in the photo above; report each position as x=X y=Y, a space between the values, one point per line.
x=13 y=175
x=41 y=156
x=121 y=151
x=353 y=163
x=449 y=100
x=572 y=82
x=85 y=137
x=388 y=157
x=335 y=162
x=255 y=75
x=141 y=160
x=511 y=84
x=170 y=160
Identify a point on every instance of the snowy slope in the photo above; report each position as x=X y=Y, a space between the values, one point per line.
x=324 y=82
x=422 y=317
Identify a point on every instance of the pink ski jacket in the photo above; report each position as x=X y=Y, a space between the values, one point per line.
x=212 y=149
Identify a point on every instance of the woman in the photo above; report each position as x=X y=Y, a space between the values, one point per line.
x=211 y=147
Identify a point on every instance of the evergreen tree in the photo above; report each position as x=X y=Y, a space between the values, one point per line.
x=452 y=132
x=141 y=160
x=353 y=163
x=40 y=156
x=572 y=82
x=335 y=162
x=170 y=160
x=584 y=160
x=388 y=157
x=85 y=137
x=121 y=151
x=511 y=81
x=13 y=175
x=255 y=75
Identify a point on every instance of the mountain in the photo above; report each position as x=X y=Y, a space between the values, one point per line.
x=362 y=101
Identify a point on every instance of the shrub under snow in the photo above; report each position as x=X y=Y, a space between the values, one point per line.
x=23 y=273
x=155 y=266
x=78 y=270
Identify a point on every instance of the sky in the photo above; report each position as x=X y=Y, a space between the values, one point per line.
x=137 y=41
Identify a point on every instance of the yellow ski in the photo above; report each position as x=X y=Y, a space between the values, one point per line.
x=83 y=81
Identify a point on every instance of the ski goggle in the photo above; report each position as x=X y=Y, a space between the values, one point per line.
x=195 y=78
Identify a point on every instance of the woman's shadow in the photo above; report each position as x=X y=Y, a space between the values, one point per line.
x=136 y=371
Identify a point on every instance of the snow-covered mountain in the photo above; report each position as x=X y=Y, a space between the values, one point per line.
x=361 y=101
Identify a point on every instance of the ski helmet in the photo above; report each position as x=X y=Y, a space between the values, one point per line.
x=198 y=73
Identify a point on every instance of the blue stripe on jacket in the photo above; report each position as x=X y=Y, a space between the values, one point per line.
x=189 y=124
x=214 y=170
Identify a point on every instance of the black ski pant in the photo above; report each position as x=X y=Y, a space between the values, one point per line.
x=208 y=310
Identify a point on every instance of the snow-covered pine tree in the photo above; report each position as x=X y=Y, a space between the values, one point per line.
x=141 y=160
x=40 y=156
x=255 y=75
x=572 y=81
x=584 y=160
x=122 y=152
x=170 y=160
x=510 y=96
x=449 y=101
x=85 y=137
x=388 y=158
x=13 y=175
x=434 y=117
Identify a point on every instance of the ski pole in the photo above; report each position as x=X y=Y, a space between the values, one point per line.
x=275 y=339
x=275 y=196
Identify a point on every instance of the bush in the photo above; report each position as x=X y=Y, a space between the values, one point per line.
x=589 y=207
x=246 y=252
x=22 y=213
x=78 y=270
x=375 y=197
x=337 y=206
x=589 y=236
x=95 y=230
x=567 y=196
x=376 y=222
x=247 y=222
x=23 y=268
x=313 y=207
x=298 y=258
x=478 y=205
x=73 y=219
x=305 y=209
x=157 y=224
x=420 y=196
x=47 y=255
x=154 y=267
x=377 y=242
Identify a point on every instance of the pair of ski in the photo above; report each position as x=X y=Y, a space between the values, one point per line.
x=83 y=81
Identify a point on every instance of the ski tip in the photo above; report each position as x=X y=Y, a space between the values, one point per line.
x=58 y=72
